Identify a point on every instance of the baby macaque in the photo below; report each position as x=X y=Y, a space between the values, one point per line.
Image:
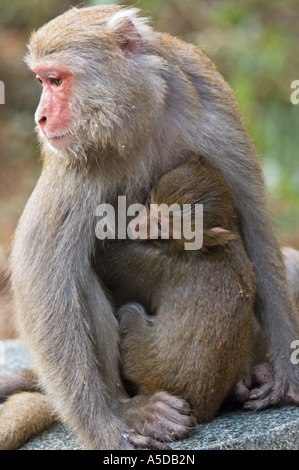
x=198 y=341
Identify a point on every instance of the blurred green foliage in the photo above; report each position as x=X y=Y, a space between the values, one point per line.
x=254 y=43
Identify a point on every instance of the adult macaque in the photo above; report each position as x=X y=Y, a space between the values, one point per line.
x=121 y=106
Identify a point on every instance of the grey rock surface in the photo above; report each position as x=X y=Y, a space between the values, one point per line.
x=276 y=428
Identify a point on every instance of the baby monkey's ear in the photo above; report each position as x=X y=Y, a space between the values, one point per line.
x=217 y=236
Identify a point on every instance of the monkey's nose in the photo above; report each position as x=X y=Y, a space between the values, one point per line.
x=42 y=122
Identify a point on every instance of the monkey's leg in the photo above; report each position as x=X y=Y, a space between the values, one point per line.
x=159 y=415
x=257 y=389
x=136 y=337
x=23 y=380
x=23 y=416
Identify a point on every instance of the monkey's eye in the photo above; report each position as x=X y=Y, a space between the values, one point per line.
x=40 y=81
x=56 y=81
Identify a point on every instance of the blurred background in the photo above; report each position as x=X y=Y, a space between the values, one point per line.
x=254 y=43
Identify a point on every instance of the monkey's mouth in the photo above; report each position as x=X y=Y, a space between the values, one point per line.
x=60 y=140
x=60 y=136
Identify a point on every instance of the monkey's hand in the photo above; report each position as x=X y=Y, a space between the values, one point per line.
x=259 y=389
x=263 y=388
x=160 y=416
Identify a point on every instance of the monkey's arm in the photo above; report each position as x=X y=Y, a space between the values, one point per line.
x=259 y=389
x=62 y=311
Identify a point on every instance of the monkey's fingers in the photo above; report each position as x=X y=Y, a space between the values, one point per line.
x=142 y=442
x=260 y=389
x=160 y=416
x=269 y=397
x=260 y=398
x=241 y=389
x=269 y=393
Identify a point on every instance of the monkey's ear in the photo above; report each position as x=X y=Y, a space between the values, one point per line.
x=217 y=236
x=126 y=34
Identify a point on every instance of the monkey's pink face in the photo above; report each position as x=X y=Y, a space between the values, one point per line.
x=53 y=114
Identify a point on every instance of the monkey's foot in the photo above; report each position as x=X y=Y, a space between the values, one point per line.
x=260 y=389
x=160 y=416
x=265 y=387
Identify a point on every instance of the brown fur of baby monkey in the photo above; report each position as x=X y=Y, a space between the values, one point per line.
x=199 y=341
x=179 y=194
x=122 y=105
